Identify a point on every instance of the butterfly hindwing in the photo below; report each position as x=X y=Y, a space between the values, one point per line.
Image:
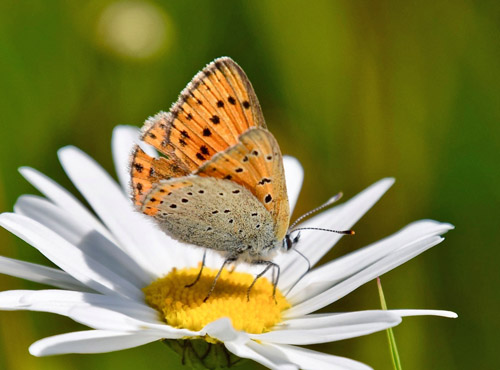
x=145 y=171
x=256 y=163
x=215 y=108
x=211 y=212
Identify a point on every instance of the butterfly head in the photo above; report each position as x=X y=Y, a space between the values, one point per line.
x=289 y=241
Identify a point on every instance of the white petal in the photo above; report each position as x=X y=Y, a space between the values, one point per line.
x=68 y=257
x=90 y=241
x=61 y=302
x=315 y=244
x=62 y=198
x=307 y=359
x=94 y=310
x=123 y=140
x=39 y=274
x=91 y=341
x=348 y=285
x=294 y=174
x=146 y=244
x=329 y=328
x=110 y=319
x=326 y=276
x=269 y=358
x=408 y=313
x=223 y=330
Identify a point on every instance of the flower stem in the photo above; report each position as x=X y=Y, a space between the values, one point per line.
x=396 y=362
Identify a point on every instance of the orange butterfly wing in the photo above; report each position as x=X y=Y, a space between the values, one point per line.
x=145 y=171
x=214 y=109
x=256 y=163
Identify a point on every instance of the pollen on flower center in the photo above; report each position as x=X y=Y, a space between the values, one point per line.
x=183 y=307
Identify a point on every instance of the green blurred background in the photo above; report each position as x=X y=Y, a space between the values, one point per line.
x=356 y=90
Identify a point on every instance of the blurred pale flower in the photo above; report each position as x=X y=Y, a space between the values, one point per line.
x=110 y=267
x=134 y=29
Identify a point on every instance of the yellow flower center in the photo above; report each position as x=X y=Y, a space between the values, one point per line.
x=183 y=307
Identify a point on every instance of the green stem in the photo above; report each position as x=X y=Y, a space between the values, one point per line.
x=396 y=361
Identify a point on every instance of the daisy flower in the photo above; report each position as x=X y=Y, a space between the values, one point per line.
x=121 y=276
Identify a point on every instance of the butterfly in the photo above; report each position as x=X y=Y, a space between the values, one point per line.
x=220 y=183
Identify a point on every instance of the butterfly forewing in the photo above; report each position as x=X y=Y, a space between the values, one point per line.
x=255 y=162
x=216 y=107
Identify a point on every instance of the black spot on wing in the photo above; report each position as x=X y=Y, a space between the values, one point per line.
x=204 y=149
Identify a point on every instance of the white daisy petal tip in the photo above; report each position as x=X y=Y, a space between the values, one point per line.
x=25 y=170
x=416 y=312
x=125 y=130
x=381 y=185
x=90 y=341
x=294 y=174
x=124 y=137
x=69 y=150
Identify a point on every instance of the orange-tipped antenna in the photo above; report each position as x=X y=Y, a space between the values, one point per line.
x=324 y=205
x=344 y=232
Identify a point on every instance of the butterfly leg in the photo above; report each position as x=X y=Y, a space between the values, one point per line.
x=233 y=267
x=199 y=273
x=275 y=279
x=226 y=261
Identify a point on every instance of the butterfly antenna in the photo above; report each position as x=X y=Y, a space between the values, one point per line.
x=324 y=205
x=301 y=276
x=344 y=232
